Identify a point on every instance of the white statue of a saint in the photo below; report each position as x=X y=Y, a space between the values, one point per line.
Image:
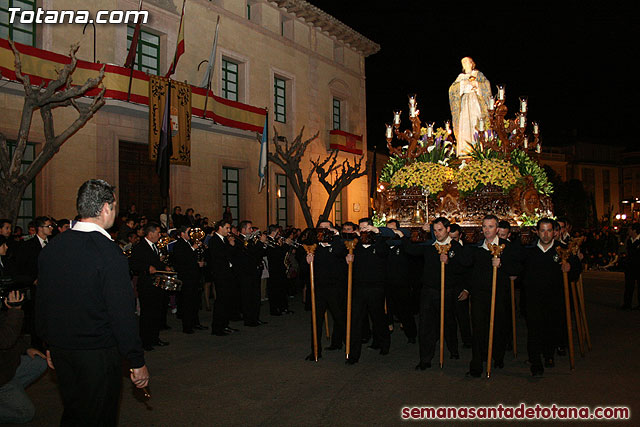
x=469 y=100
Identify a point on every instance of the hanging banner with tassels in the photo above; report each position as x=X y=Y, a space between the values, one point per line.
x=41 y=66
x=180 y=116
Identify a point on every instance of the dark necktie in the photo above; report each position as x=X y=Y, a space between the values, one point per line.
x=155 y=249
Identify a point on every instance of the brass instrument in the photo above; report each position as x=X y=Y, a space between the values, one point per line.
x=163 y=248
x=196 y=236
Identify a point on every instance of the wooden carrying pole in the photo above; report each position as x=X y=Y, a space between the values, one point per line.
x=326 y=324
x=311 y=250
x=576 y=310
x=442 y=250
x=564 y=254
x=513 y=319
x=350 y=244
x=585 y=325
x=496 y=250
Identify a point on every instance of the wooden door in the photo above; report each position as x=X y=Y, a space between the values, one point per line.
x=139 y=182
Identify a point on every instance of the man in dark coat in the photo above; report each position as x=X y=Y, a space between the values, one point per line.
x=221 y=253
x=632 y=268
x=187 y=265
x=482 y=263
x=428 y=331
x=543 y=281
x=144 y=262
x=85 y=312
x=248 y=268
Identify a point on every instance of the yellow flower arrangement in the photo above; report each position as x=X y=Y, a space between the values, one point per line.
x=425 y=175
x=487 y=172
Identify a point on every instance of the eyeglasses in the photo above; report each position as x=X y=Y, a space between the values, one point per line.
x=47 y=226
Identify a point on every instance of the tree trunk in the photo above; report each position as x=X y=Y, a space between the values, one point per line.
x=10 y=198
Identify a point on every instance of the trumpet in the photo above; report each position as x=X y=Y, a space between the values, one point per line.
x=163 y=248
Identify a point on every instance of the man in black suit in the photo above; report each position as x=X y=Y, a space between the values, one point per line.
x=632 y=267
x=462 y=304
x=248 y=267
x=86 y=312
x=144 y=262
x=27 y=271
x=186 y=263
x=277 y=282
x=480 y=260
x=221 y=254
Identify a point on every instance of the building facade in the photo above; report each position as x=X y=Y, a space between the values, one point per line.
x=304 y=66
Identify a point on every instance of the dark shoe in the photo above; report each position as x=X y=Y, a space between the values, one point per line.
x=333 y=347
x=455 y=356
x=537 y=371
x=252 y=324
x=374 y=347
x=230 y=329
x=411 y=340
x=351 y=361
x=220 y=334
x=549 y=363
x=260 y=322
x=161 y=343
x=312 y=358
x=561 y=351
x=201 y=327
x=498 y=365
x=188 y=331
x=275 y=313
x=165 y=328
x=147 y=348
x=467 y=345
x=473 y=374
x=287 y=311
x=423 y=366
x=384 y=351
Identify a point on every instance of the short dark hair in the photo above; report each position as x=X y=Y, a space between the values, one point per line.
x=563 y=219
x=350 y=224
x=636 y=227
x=62 y=222
x=455 y=228
x=244 y=223
x=131 y=233
x=491 y=216
x=218 y=225
x=92 y=195
x=369 y=221
x=545 y=221
x=41 y=220
x=442 y=220
x=504 y=224
x=321 y=220
x=394 y=221
x=273 y=227
x=183 y=228
x=4 y=221
x=3 y=240
x=150 y=227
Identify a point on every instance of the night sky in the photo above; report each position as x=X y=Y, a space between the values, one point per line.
x=573 y=65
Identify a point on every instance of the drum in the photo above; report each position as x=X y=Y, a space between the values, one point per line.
x=167 y=281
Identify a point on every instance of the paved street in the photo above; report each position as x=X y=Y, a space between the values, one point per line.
x=258 y=376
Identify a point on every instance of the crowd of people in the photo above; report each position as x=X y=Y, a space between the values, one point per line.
x=122 y=307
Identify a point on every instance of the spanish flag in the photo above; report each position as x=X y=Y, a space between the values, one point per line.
x=179 y=45
x=344 y=141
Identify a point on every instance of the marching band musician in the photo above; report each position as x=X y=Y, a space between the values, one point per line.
x=429 y=321
x=145 y=262
x=221 y=253
x=369 y=261
x=277 y=282
x=248 y=266
x=329 y=285
x=543 y=281
x=482 y=263
x=187 y=265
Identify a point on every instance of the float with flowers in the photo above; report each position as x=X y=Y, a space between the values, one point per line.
x=500 y=175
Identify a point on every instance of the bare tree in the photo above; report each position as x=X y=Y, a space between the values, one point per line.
x=344 y=174
x=288 y=156
x=58 y=93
